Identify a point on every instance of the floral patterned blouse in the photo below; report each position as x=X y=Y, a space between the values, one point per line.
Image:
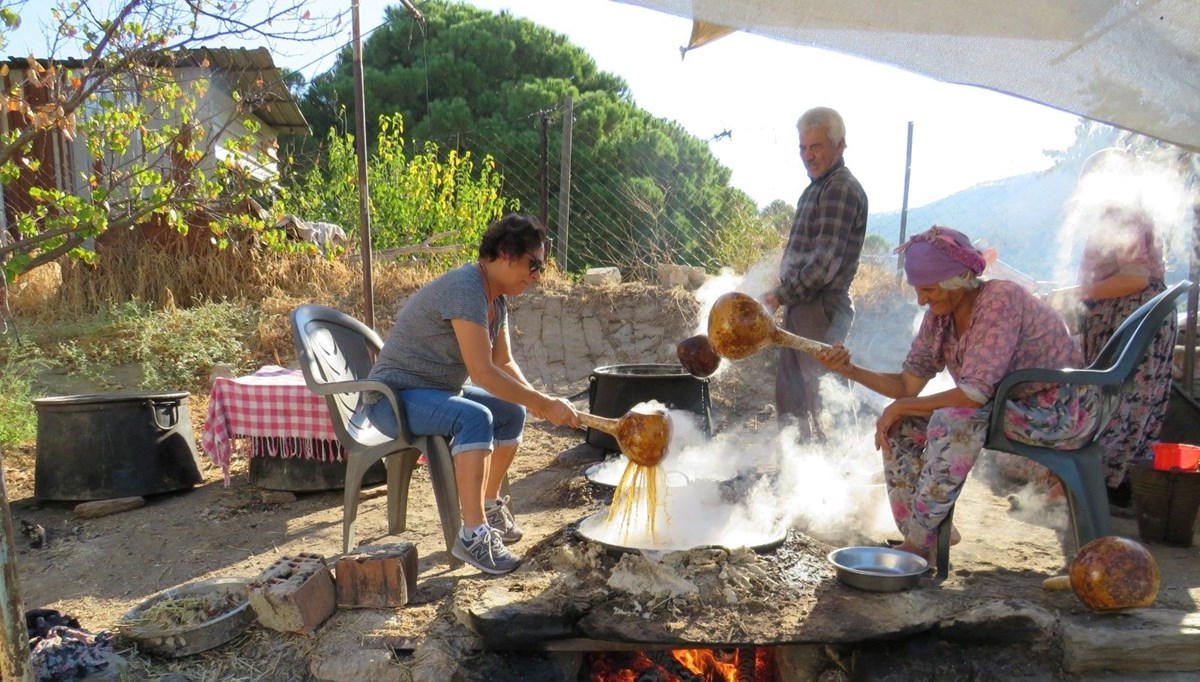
x=1010 y=329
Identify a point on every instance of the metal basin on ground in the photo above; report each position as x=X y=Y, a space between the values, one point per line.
x=878 y=569
x=185 y=640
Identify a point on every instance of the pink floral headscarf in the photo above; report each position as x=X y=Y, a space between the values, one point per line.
x=939 y=254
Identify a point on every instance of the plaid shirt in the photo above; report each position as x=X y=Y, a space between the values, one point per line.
x=827 y=237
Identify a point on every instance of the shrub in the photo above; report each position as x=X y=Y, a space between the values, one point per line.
x=449 y=196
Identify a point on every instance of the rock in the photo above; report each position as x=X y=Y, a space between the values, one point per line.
x=353 y=665
x=98 y=508
x=671 y=275
x=278 y=497
x=345 y=651
x=1005 y=622
x=1148 y=640
x=504 y=617
x=602 y=277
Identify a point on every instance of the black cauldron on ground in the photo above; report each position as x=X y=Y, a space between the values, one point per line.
x=104 y=446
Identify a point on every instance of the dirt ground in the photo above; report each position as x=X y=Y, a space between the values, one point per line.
x=98 y=569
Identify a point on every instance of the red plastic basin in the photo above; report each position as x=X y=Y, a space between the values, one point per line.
x=1169 y=456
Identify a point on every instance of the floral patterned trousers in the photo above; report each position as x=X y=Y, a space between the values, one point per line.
x=931 y=456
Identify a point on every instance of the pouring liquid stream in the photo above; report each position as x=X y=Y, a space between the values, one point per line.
x=643 y=436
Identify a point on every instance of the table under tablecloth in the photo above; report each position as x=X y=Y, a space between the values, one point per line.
x=275 y=411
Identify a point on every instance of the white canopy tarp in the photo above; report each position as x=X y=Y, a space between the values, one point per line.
x=1132 y=64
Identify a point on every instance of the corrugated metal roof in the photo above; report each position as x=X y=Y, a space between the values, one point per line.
x=249 y=72
x=256 y=79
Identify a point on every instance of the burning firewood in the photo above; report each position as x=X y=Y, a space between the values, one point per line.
x=666 y=661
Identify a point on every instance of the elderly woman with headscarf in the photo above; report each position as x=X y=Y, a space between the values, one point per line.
x=980 y=331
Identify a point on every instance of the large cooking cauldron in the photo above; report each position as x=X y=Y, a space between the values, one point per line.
x=614 y=389
x=96 y=447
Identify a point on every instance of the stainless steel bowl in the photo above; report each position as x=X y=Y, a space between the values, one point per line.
x=878 y=569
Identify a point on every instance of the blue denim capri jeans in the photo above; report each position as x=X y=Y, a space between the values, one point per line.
x=474 y=419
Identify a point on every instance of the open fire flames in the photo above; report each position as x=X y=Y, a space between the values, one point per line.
x=750 y=664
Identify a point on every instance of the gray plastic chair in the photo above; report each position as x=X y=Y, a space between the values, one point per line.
x=1080 y=471
x=336 y=352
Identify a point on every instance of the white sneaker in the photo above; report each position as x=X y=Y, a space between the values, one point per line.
x=486 y=552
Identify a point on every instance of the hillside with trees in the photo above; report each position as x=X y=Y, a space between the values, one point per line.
x=1022 y=217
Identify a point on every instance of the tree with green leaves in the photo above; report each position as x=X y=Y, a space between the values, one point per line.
x=468 y=80
x=153 y=152
x=876 y=245
x=420 y=203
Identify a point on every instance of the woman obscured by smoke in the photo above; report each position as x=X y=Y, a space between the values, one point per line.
x=1122 y=267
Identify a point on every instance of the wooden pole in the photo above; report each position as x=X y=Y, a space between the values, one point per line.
x=545 y=163
x=14 y=651
x=364 y=193
x=1189 y=327
x=904 y=205
x=564 y=184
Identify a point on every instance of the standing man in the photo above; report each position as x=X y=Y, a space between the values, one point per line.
x=818 y=264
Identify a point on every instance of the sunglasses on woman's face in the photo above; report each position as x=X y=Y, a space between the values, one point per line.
x=537 y=265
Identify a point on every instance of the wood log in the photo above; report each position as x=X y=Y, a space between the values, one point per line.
x=15 y=663
x=98 y=508
x=746 y=661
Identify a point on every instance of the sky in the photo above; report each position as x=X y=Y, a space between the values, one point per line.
x=756 y=88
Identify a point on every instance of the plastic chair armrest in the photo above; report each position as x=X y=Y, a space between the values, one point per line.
x=360 y=386
x=996 y=436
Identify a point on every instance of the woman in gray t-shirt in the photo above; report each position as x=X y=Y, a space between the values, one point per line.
x=453 y=329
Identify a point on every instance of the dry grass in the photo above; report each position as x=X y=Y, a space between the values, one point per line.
x=185 y=274
x=260 y=655
x=875 y=287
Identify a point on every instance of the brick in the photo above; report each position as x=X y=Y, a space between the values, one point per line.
x=294 y=594
x=377 y=576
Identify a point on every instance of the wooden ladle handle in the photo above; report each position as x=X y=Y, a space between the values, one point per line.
x=782 y=337
x=604 y=424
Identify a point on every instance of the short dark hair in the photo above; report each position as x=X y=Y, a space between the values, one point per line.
x=513 y=235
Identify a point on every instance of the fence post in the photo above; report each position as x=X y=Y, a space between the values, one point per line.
x=364 y=189
x=545 y=188
x=14 y=651
x=904 y=205
x=564 y=183
x=1189 y=327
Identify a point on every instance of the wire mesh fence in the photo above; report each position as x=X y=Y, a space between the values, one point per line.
x=628 y=203
x=654 y=194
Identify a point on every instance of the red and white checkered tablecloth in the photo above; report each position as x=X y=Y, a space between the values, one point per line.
x=276 y=411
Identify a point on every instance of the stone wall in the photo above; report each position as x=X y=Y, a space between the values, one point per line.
x=560 y=334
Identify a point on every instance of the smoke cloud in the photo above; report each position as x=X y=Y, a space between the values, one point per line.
x=1115 y=187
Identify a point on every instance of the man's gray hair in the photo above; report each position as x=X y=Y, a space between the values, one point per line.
x=824 y=117
x=967 y=280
